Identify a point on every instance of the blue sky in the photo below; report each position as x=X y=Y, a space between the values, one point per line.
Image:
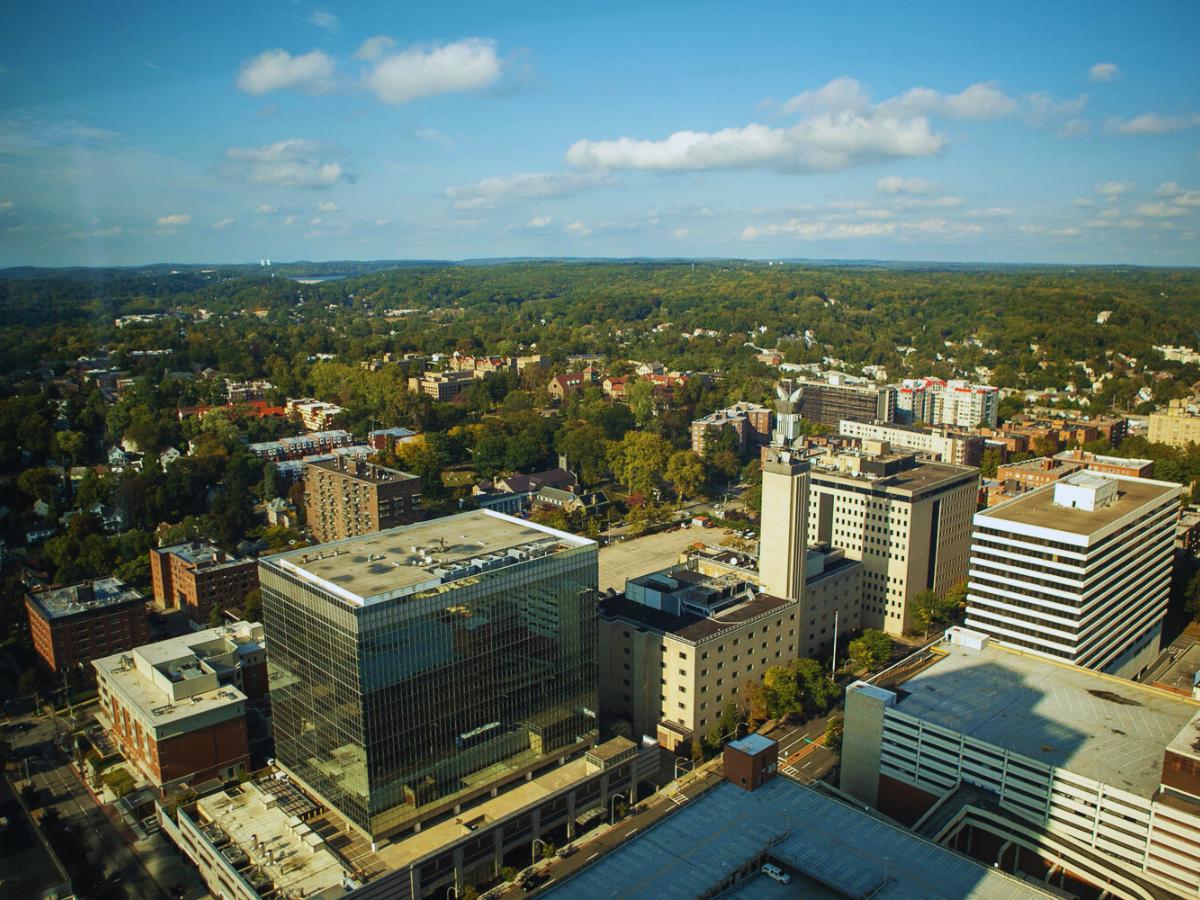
x=1048 y=132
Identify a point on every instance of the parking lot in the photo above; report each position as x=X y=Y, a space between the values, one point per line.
x=637 y=556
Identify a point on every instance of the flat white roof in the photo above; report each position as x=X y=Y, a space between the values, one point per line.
x=388 y=564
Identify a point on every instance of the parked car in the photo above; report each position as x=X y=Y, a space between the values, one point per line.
x=774 y=872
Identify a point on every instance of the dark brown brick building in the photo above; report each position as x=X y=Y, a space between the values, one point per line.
x=751 y=762
x=198 y=575
x=346 y=497
x=74 y=625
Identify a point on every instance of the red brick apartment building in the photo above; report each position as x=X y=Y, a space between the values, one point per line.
x=177 y=709
x=74 y=625
x=196 y=575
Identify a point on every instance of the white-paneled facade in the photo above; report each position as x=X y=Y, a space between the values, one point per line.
x=1084 y=586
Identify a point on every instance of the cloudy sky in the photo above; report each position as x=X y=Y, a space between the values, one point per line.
x=1041 y=132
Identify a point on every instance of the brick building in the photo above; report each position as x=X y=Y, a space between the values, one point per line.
x=177 y=709
x=315 y=415
x=74 y=625
x=750 y=421
x=345 y=497
x=197 y=575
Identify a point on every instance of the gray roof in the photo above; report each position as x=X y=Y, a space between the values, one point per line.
x=831 y=848
x=1098 y=726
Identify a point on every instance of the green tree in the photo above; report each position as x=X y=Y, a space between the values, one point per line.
x=834 y=729
x=640 y=397
x=990 y=462
x=685 y=471
x=873 y=648
x=583 y=444
x=639 y=460
x=931 y=609
x=39 y=483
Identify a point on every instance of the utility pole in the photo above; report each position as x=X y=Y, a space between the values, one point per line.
x=833 y=665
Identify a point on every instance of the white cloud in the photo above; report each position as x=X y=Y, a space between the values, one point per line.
x=947 y=202
x=493 y=191
x=382 y=222
x=174 y=219
x=1113 y=212
x=275 y=70
x=467 y=65
x=434 y=136
x=1082 y=202
x=681 y=233
x=112 y=232
x=1074 y=128
x=292 y=163
x=1111 y=190
x=7 y=204
x=824 y=143
x=1178 y=195
x=1153 y=123
x=1161 y=210
x=316 y=220
x=1103 y=72
x=322 y=19
x=977 y=102
x=540 y=221
x=264 y=209
x=991 y=212
x=327 y=206
x=222 y=223
x=840 y=95
x=374 y=47
x=577 y=227
x=894 y=184
x=289 y=220
x=805 y=228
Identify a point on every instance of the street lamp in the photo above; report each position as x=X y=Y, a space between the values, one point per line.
x=612 y=807
x=682 y=760
x=533 y=850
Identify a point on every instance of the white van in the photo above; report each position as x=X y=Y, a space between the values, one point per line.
x=773 y=871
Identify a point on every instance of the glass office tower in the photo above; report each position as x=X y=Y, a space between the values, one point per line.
x=415 y=668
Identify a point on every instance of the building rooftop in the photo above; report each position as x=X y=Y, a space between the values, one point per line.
x=401 y=561
x=905 y=480
x=174 y=680
x=203 y=555
x=361 y=470
x=690 y=626
x=86 y=597
x=1108 y=729
x=831 y=849
x=247 y=821
x=1038 y=509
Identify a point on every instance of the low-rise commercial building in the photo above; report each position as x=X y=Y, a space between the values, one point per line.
x=1026 y=763
x=441 y=386
x=176 y=709
x=345 y=497
x=386 y=439
x=939 y=445
x=71 y=626
x=1079 y=570
x=198 y=575
x=256 y=840
x=1130 y=467
x=716 y=845
x=679 y=644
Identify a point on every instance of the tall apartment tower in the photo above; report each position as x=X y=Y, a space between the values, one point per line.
x=1078 y=570
x=907 y=520
x=783 y=547
x=418 y=669
x=345 y=496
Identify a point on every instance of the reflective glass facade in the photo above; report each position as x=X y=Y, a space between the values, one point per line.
x=396 y=709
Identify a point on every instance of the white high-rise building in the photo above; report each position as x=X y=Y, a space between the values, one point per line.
x=1079 y=570
x=938 y=402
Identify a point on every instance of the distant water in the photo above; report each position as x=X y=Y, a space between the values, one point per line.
x=317 y=279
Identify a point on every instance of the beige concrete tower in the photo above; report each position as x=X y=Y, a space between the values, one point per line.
x=783 y=546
